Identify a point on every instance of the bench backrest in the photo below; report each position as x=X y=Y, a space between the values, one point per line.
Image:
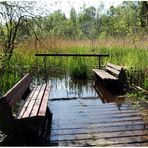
x=18 y=90
x=114 y=69
x=119 y=72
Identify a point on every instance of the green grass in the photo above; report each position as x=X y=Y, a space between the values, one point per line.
x=23 y=61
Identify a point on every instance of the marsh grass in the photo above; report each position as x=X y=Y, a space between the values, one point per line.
x=78 y=68
x=122 y=52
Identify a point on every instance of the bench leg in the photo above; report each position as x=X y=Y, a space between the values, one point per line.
x=46 y=129
x=15 y=137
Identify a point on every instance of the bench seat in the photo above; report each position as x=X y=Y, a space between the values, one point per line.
x=113 y=77
x=36 y=103
x=34 y=114
x=103 y=74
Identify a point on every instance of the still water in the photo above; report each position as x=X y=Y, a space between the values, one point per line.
x=65 y=87
x=82 y=109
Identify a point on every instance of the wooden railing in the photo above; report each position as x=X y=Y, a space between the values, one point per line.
x=74 y=55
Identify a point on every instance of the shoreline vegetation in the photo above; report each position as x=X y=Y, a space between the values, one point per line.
x=30 y=27
x=121 y=31
x=135 y=60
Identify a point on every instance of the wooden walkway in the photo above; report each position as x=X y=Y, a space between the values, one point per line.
x=88 y=122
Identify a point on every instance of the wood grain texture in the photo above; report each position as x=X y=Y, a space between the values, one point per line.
x=112 y=70
x=90 y=123
x=31 y=103
x=18 y=95
x=26 y=103
x=38 y=101
x=26 y=80
x=103 y=74
x=44 y=103
x=115 y=66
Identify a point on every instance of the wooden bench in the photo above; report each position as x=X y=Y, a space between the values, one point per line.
x=33 y=112
x=113 y=77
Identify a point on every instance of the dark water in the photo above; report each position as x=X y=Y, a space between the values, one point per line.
x=67 y=88
x=68 y=93
x=81 y=109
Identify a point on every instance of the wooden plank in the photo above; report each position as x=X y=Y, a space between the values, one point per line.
x=44 y=103
x=95 y=109
x=38 y=101
x=11 y=93
x=112 y=70
x=26 y=103
x=103 y=74
x=93 y=116
x=85 y=105
x=57 y=126
x=72 y=98
x=99 y=135
x=73 y=54
x=81 y=124
x=69 y=103
x=95 y=119
x=105 y=142
x=115 y=66
x=31 y=103
x=19 y=93
x=88 y=121
x=92 y=113
x=100 y=129
x=140 y=144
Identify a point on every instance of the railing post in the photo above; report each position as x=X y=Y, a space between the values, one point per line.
x=71 y=55
x=45 y=67
x=99 y=62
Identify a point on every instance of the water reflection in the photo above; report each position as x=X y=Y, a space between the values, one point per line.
x=65 y=87
x=107 y=97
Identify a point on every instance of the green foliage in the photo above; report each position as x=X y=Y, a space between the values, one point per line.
x=78 y=68
x=126 y=21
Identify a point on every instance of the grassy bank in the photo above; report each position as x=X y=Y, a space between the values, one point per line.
x=132 y=57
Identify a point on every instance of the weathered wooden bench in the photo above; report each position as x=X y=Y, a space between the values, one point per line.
x=113 y=77
x=33 y=112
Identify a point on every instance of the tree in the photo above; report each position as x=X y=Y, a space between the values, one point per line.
x=14 y=16
x=73 y=18
x=144 y=14
x=87 y=20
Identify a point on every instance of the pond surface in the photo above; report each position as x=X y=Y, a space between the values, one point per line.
x=67 y=88
x=84 y=113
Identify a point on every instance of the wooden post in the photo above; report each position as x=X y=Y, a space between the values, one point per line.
x=73 y=55
x=45 y=67
x=99 y=62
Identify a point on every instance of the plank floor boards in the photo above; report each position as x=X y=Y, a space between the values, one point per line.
x=90 y=123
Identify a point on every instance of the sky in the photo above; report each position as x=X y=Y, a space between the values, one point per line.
x=49 y=6
x=66 y=5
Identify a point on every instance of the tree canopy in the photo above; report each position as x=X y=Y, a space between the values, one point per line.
x=130 y=19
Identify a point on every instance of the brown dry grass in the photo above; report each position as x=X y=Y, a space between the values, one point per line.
x=48 y=44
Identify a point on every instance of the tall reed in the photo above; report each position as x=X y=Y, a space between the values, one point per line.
x=122 y=52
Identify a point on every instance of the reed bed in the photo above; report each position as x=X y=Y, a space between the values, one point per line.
x=134 y=57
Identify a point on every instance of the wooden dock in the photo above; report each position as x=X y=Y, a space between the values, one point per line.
x=88 y=122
